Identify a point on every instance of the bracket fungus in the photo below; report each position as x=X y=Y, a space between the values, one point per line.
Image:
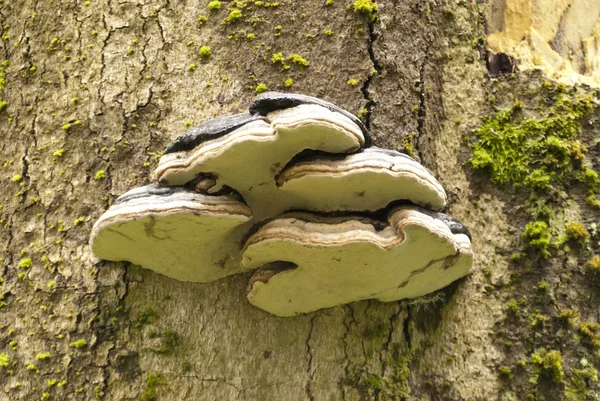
x=329 y=261
x=364 y=181
x=248 y=158
x=173 y=231
x=272 y=101
x=294 y=191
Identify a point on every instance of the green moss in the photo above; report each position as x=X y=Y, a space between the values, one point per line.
x=568 y=316
x=100 y=174
x=590 y=333
x=170 y=340
x=152 y=382
x=368 y=7
x=548 y=364
x=537 y=235
x=260 y=88
x=513 y=307
x=277 y=58
x=79 y=344
x=374 y=382
x=4 y=360
x=43 y=355
x=579 y=387
x=594 y=264
x=192 y=67
x=288 y=82
x=204 y=52
x=363 y=114
x=186 y=367
x=590 y=178
x=17 y=178
x=329 y=2
x=234 y=15
x=577 y=232
x=592 y=201
x=214 y=5
x=143 y=318
x=201 y=20
x=541 y=154
x=3 y=66
x=25 y=263
x=352 y=82
x=510 y=147
x=299 y=60
x=505 y=372
x=408 y=143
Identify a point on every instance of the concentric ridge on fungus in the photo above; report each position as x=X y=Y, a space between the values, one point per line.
x=208 y=130
x=272 y=101
x=224 y=192
x=367 y=181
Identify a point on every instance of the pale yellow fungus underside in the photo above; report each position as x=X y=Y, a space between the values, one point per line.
x=188 y=238
x=248 y=158
x=342 y=262
x=366 y=181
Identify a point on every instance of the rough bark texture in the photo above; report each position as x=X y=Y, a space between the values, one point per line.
x=94 y=91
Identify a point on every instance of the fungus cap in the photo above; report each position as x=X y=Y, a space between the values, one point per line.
x=309 y=262
x=364 y=181
x=173 y=231
x=208 y=130
x=249 y=157
x=272 y=101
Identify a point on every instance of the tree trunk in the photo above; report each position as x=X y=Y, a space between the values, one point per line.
x=94 y=92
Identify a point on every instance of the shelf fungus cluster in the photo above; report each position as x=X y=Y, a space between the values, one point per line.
x=294 y=191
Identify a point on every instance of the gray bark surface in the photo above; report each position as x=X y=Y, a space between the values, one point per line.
x=96 y=90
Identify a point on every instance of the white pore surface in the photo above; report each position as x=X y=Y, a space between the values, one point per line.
x=344 y=262
x=185 y=237
x=366 y=181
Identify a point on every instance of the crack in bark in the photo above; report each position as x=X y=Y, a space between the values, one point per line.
x=377 y=66
x=406 y=327
x=389 y=340
x=310 y=359
x=422 y=111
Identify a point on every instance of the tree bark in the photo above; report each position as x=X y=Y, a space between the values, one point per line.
x=94 y=91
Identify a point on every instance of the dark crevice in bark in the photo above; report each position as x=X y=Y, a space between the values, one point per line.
x=422 y=106
x=406 y=328
x=9 y=232
x=311 y=397
x=389 y=340
x=377 y=66
x=347 y=324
